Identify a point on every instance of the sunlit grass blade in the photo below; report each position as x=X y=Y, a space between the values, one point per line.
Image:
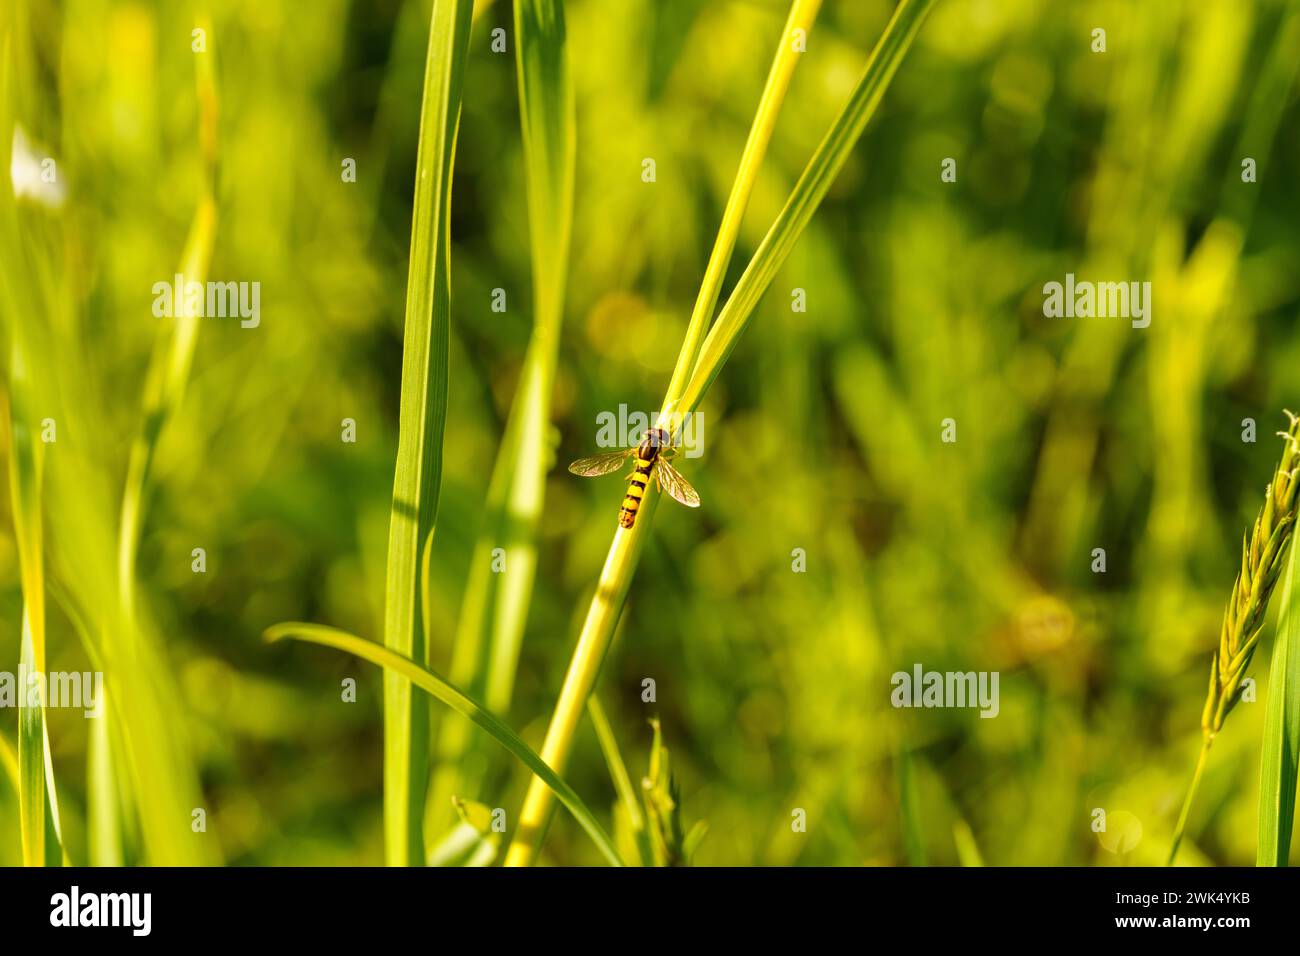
x=165 y=382
x=56 y=853
x=177 y=339
x=1280 y=748
x=430 y=682
x=968 y=851
x=627 y=794
x=9 y=761
x=547 y=124
x=624 y=552
x=164 y=389
x=41 y=303
x=808 y=193
x=25 y=461
x=31 y=762
x=418 y=475
x=909 y=809
x=802 y=15
x=104 y=807
x=495 y=607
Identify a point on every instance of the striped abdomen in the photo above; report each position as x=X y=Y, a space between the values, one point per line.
x=647 y=453
x=635 y=491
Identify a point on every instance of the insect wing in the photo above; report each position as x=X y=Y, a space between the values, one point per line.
x=598 y=465
x=671 y=481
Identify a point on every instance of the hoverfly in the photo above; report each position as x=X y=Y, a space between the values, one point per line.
x=652 y=457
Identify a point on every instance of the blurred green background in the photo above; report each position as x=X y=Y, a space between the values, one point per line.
x=924 y=302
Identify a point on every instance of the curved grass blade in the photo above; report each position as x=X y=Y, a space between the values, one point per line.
x=909 y=808
x=624 y=551
x=426 y=680
x=174 y=348
x=56 y=854
x=495 y=607
x=417 y=477
x=808 y=193
x=31 y=761
x=104 y=809
x=622 y=781
x=546 y=118
x=9 y=761
x=1280 y=748
x=165 y=385
x=802 y=15
x=39 y=299
x=968 y=851
x=36 y=797
x=165 y=382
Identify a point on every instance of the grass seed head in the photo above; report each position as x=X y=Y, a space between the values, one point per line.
x=1262 y=552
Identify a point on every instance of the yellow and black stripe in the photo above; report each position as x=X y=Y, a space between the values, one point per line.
x=647 y=453
x=635 y=491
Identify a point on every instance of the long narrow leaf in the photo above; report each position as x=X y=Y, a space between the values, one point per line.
x=968 y=851
x=624 y=551
x=165 y=384
x=430 y=682
x=622 y=781
x=909 y=811
x=1280 y=749
x=25 y=466
x=418 y=475
x=781 y=72
x=808 y=193
x=9 y=761
x=546 y=117
x=31 y=760
x=495 y=606
x=104 y=806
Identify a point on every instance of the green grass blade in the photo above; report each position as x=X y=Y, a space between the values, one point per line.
x=103 y=806
x=41 y=301
x=165 y=383
x=31 y=764
x=803 y=13
x=624 y=551
x=418 y=475
x=808 y=193
x=1280 y=749
x=9 y=761
x=166 y=379
x=622 y=781
x=546 y=116
x=426 y=680
x=173 y=354
x=56 y=854
x=968 y=851
x=910 y=811
x=25 y=461
x=495 y=607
